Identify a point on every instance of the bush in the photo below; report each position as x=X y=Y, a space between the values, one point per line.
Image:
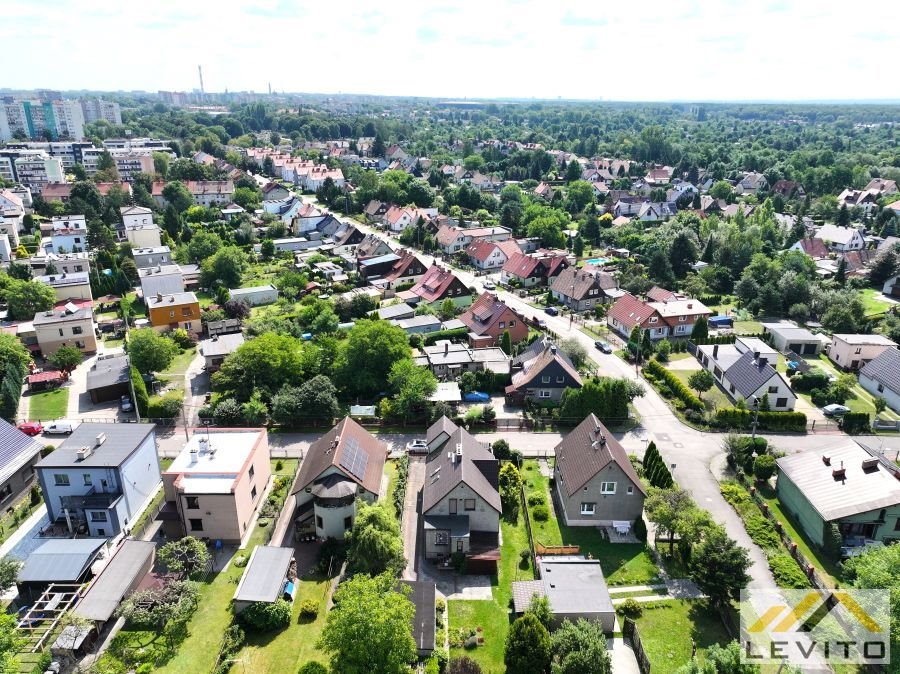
x=165 y=407
x=764 y=467
x=182 y=338
x=265 y=616
x=735 y=495
x=501 y=450
x=536 y=500
x=630 y=609
x=738 y=419
x=313 y=668
x=640 y=529
x=854 y=423
x=309 y=608
x=787 y=572
x=812 y=379
x=141 y=397
x=762 y=531
x=540 y=513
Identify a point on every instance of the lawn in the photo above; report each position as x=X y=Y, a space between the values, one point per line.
x=860 y=401
x=872 y=302
x=747 y=327
x=180 y=363
x=667 y=628
x=714 y=398
x=49 y=405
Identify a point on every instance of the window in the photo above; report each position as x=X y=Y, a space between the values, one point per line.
x=512 y=324
x=545 y=379
x=250 y=472
x=319 y=523
x=470 y=504
x=187 y=326
x=653 y=320
x=348 y=522
x=253 y=493
x=560 y=380
x=773 y=389
x=441 y=538
x=87 y=479
x=607 y=487
x=858 y=349
x=682 y=319
x=459 y=546
x=98 y=517
x=781 y=402
x=881 y=388
x=196 y=525
x=77 y=330
x=630 y=490
x=185 y=311
x=502 y=324
x=543 y=394
x=60 y=332
x=78 y=267
x=587 y=508
x=897 y=525
x=61 y=480
x=193 y=502
x=79 y=344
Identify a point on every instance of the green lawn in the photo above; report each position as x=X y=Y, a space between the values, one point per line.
x=546 y=533
x=180 y=363
x=860 y=400
x=49 y=405
x=714 y=398
x=872 y=302
x=667 y=628
x=747 y=327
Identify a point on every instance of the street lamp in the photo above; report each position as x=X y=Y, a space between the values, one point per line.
x=755 y=402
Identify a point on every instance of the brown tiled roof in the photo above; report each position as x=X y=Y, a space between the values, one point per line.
x=583 y=281
x=815 y=248
x=476 y=467
x=630 y=311
x=521 y=265
x=434 y=283
x=446 y=235
x=484 y=312
x=588 y=449
x=198 y=187
x=481 y=249
x=657 y=294
x=400 y=267
x=330 y=450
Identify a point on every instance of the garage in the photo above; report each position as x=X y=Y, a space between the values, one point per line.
x=109 y=378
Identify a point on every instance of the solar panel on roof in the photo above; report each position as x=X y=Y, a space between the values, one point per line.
x=354 y=459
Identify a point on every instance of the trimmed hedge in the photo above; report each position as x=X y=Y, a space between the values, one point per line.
x=787 y=572
x=768 y=421
x=432 y=337
x=679 y=390
x=854 y=423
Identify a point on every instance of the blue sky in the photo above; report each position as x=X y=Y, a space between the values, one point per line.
x=643 y=50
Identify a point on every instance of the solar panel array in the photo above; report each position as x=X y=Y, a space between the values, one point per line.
x=354 y=459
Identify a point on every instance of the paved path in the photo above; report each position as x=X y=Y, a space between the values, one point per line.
x=623 y=658
x=411 y=521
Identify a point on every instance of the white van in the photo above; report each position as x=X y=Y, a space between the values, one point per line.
x=59 y=428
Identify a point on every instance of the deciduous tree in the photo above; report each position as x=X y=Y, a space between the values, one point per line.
x=374 y=543
x=150 y=351
x=527 y=647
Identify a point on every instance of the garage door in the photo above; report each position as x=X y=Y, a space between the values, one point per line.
x=809 y=349
x=796 y=348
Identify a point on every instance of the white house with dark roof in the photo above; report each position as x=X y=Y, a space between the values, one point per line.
x=881 y=377
x=545 y=373
x=745 y=375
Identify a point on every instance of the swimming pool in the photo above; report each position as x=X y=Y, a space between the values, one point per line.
x=597 y=260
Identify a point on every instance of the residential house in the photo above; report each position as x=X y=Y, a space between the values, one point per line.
x=447 y=360
x=346 y=239
x=489 y=317
x=218 y=347
x=789 y=337
x=178 y=310
x=340 y=469
x=71 y=286
x=596 y=485
x=881 y=377
x=454 y=239
x=852 y=352
x=392 y=269
x=372 y=246
x=375 y=210
x=256 y=296
x=491 y=255
x=751 y=183
x=136 y=216
x=788 y=189
x=654 y=212
x=439 y=284
x=143 y=236
x=544 y=191
x=163 y=279
x=151 y=257
x=397 y=219
x=274 y=192
x=109 y=378
x=814 y=247
x=60 y=191
x=460 y=501
x=544 y=376
x=864 y=199
x=841 y=239
x=882 y=187
x=100 y=478
x=659 y=176
x=583 y=289
x=67 y=324
x=67 y=263
x=19 y=453
x=843 y=485
x=674 y=317
x=628 y=206
x=747 y=375
x=214 y=488
x=68 y=234
x=204 y=192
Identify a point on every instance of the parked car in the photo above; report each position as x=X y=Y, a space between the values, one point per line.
x=551 y=311
x=489 y=285
x=476 y=397
x=835 y=410
x=542 y=324
x=31 y=428
x=603 y=346
x=859 y=547
x=59 y=428
x=417 y=447
x=125 y=404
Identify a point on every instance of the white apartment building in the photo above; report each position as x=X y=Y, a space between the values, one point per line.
x=69 y=152
x=128 y=161
x=42 y=119
x=96 y=109
x=32 y=168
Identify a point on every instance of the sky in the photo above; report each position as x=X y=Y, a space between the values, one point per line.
x=638 y=50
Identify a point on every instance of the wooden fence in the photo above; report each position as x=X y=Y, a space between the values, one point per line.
x=630 y=632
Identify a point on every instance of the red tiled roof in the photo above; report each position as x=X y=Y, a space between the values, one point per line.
x=815 y=248
x=484 y=312
x=521 y=265
x=657 y=294
x=481 y=249
x=629 y=311
x=434 y=284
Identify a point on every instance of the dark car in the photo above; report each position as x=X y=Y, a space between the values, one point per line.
x=551 y=311
x=125 y=404
x=603 y=346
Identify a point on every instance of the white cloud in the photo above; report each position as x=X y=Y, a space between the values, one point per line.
x=647 y=50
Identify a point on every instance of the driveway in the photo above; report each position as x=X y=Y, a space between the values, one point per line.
x=411 y=525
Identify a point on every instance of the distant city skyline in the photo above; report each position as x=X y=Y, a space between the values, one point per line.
x=722 y=50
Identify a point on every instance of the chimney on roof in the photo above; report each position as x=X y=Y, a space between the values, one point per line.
x=159 y=297
x=839 y=473
x=100 y=439
x=756 y=355
x=553 y=348
x=826 y=459
x=763 y=362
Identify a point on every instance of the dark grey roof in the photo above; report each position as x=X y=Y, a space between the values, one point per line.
x=129 y=562
x=588 y=449
x=265 y=574
x=60 y=560
x=457 y=525
x=401 y=310
x=108 y=372
x=122 y=440
x=441 y=426
x=16 y=449
x=747 y=374
x=885 y=369
x=574 y=585
x=333 y=485
x=463 y=459
x=221 y=345
x=422 y=595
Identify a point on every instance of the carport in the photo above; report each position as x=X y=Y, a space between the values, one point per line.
x=121 y=576
x=265 y=576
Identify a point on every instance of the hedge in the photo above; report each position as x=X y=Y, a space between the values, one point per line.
x=682 y=392
x=165 y=407
x=854 y=423
x=787 y=572
x=432 y=337
x=141 y=398
x=767 y=421
x=655 y=469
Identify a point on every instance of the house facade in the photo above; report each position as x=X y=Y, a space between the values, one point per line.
x=178 y=310
x=852 y=352
x=489 y=317
x=583 y=289
x=69 y=325
x=150 y=257
x=545 y=373
x=747 y=375
x=674 y=317
x=20 y=455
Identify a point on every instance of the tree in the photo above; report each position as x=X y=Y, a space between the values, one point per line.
x=186 y=555
x=506 y=342
x=239 y=309
x=203 y=245
x=266 y=616
x=368 y=631
x=27 y=298
x=840 y=276
x=267 y=249
x=591 y=229
x=683 y=252
x=173 y=223
x=880 y=404
x=663 y=349
x=579 y=648
x=579 y=194
x=374 y=545
x=879 y=569
x=764 y=467
x=225 y=267
x=573 y=171
x=150 y=351
x=700 y=329
x=315 y=399
x=665 y=507
x=527 y=647
x=539 y=607
x=177 y=194
x=267 y=362
x=367 y=355
x=413 y=383
x=701 y=381
x=66 y=358
x=22 y=272
x=9 y=573
x=722 y=190
x=510 y=487
x=501 y=450
x=719 y=567
x=575 y=351
x=447 y=310
x=727 y=659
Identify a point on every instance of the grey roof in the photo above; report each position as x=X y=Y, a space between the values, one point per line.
x=457 y=525
x=885 y=369
x=417 y=321
x=264 y=577
x=588 y=449
x=422 y=595
x=476 y=467
x=108 y=372
x=531 y=351
x=16 y=449
x=49 y=317
x=151 y=250
x=173 y=299
x=834 y=498
x=441 y=426
x=59 y=280
x=574 y=585
x=389 y=257
x=454 y=324
x=160 y=270
x=748 y=375
x=401 y=310
x=790 y=331
x=109 y=588
x=60 y=560
x=237 y=293
x=875 y=339
x=221 y=345
x=122 y=440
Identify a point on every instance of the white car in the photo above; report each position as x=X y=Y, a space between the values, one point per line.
x=417 y=447
x=59 y=428
x=860 y=549
x=489 y=285
x=835 y=410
